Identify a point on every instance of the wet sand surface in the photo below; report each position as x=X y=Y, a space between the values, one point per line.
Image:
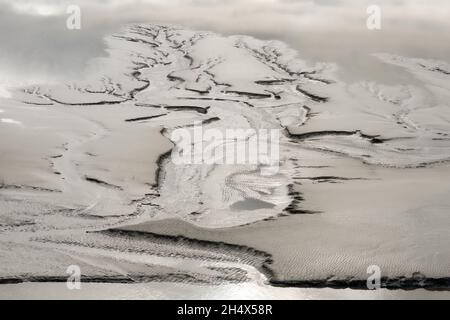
x=174 y=291
x=87 y=178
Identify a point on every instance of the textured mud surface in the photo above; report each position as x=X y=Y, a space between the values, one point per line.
x=86 y=176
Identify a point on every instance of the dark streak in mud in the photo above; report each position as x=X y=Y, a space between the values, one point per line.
x=274 y=82
x=37 y=103
x=146 y=118
x=175 y=78
x=102 y=183
x=217 y=99
x=148 y=105
x=436 y=69
x=250 y=95
x=307 y=135
x=294 y=205
x=24 y=187
x=312 y=96
x=203 y=122
x=135 y=91
x=328 y=178
x=314 y=167
x=160 y=168
x=152 y=44
x=441 y=71
x=202 y=110
x=325 y=81
x=198 y=90
x=416 y=281
x=213 y=79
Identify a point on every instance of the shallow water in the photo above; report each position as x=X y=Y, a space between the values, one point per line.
x=179 y=291
x=43 y=50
